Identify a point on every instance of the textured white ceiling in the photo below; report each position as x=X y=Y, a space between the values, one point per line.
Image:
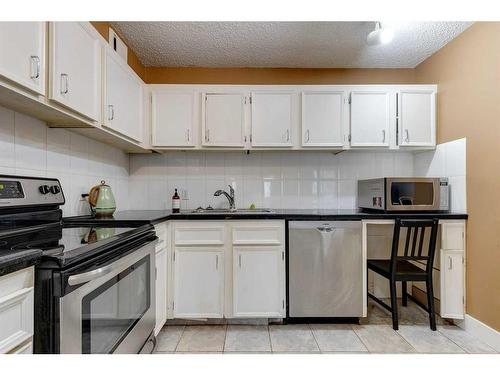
x=284 y=44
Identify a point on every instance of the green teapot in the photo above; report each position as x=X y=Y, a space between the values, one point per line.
x=101 y=200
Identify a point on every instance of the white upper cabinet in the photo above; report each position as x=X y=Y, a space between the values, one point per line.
x=172 y=119
x=223 y=120
x=271 y=119
x=323 y=119
x=75 y=55
x=258 y=282
x=417 y=117
x=123 y=103
x=370 y=118
x=22 y=56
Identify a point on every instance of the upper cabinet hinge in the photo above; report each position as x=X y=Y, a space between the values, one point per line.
x=350 y=99
x=245 y=100
x=282 y=255
x=250 y=99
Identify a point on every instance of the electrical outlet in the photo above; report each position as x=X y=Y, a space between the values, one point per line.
x=184 y=194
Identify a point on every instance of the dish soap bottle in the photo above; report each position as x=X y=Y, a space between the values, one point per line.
x=176 y=203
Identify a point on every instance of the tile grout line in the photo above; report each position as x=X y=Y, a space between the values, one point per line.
x=180 y=338
x=225 y=335
x=464 y=349
x=315 y=339
x=361 y=340
x=269 y=335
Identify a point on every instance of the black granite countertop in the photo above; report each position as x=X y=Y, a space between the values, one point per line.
x=138 y=217
x=13 y=260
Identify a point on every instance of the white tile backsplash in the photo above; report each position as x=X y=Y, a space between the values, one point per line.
x=29 y=148
x=447 y=160
x=285 y=179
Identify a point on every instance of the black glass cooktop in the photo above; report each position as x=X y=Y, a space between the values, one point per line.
x=68 y=243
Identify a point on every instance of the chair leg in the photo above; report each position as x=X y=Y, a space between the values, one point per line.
x=394 y=305
x=430 y=303
x=404 y=294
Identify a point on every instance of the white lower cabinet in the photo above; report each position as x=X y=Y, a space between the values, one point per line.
x=228 y=269
x=452 y=269
x=452 y=284
x=199 y=282
x=16 y=309
x=161 y=289
x=258 y=282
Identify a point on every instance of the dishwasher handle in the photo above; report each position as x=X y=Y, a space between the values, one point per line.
x=325 y=228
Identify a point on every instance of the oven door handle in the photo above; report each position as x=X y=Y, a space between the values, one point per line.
x=89 y=276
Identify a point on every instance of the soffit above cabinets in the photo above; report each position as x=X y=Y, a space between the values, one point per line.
x=284 y=44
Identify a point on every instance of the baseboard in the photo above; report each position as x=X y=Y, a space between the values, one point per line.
x=480 y=330
x=421 y=296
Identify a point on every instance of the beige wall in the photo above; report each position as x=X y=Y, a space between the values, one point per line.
x=467 y=71
x=277 y=76
x=133 y=61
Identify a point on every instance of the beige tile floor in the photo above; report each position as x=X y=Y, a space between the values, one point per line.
x=373 y=335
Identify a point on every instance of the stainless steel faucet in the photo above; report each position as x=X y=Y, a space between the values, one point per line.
x=230 y=197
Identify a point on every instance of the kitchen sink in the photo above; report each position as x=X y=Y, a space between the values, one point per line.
x=229 y=211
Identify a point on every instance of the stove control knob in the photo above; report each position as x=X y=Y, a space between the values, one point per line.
x=44 y=189
x=54 y=189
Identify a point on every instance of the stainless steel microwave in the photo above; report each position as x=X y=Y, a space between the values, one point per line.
x=404 y=194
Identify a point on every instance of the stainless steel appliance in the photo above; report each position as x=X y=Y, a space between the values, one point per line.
x=94 y=284
x=325 y=269
x=404 y=194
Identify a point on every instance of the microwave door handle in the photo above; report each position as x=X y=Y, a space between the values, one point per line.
x=89 y=276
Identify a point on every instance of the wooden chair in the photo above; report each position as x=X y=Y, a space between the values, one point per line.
x=401 y=267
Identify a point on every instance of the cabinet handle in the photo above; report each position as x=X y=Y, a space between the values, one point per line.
x=111 y=112
x=216 y=262
x=245 y=138
x=65 y=80
x=383 y=136
x=239 y=260
x=407 y=138
x=450 y=263
x=207 y=135
x=36 y=60
x=188 y=135
x=307 y=136
x=288 y=135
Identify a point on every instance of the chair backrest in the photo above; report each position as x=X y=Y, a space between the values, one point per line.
x=414 y=248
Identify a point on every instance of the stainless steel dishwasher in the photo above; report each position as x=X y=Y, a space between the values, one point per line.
x=325 y=269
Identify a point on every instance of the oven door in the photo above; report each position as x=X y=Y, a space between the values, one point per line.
x=113 y=309
x=412 y=194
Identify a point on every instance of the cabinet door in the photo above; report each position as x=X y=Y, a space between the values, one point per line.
x=199 y=283
x=22 y=59
x=172 y=119
x=161 y=289
x=322 y=119
x=370 y=118
x=258 y=282
x=123 y=98
x=452 y=284
x=417 y=117
x=272 y=119
x=223 y=120
x=75 y=68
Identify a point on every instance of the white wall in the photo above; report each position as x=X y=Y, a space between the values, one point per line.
x=287 y=179
x=29 y=148
x=448 y=160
